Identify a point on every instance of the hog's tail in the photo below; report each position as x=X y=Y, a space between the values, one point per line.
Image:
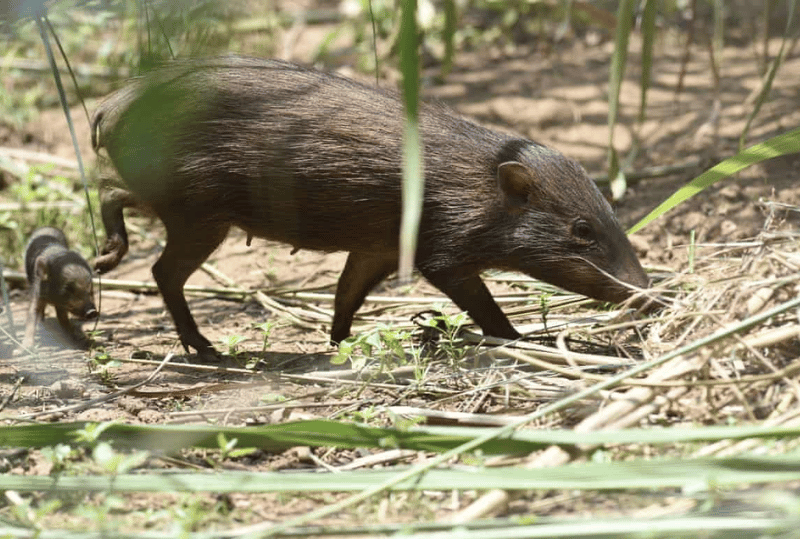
x=96 y=142
x=109 y=113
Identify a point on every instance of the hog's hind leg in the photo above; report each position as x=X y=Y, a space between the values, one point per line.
x=361 y=273
x=113 y=200
x=188 y=246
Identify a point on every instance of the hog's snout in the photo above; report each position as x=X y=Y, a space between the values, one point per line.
x=625 y=275
x=635 y=278
x=90 y=313
x=615 y=284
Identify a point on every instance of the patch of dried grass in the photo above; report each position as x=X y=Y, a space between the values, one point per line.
x=749 y=377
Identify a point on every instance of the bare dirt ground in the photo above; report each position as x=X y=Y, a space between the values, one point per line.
x=558 y=98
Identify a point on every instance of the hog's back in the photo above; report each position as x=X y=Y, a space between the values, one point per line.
x=286 y=153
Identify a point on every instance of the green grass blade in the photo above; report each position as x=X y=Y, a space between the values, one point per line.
x=718 y=39
x=648 y=38
x=618 y=62
x=269 y=438
x=413 y=179
x=449 y=35
x=40 y=22
x=763 y=94
x=766 y=87
x=700 y=473
x=617 y=182
x=347 y=435
x=780 y=145
x=374 y=28
x=739 y=526
x=759 y=526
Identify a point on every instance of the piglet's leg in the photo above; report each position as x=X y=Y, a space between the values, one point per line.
x=70 y=329
x=36 y=309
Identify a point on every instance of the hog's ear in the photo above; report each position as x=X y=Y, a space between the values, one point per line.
x=515 y=183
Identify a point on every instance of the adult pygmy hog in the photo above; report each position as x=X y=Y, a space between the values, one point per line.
x=314 y=160
x=59 y=277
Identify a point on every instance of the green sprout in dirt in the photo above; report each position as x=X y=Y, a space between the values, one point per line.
x=448 y=326
x=103 y=456
x=231 y=344
x=368 y=416
x=227 y=449
x=101 y=512
x=193 y=511
x=272 y=398
x=28 y=514
x=59 y=456
x=115 y=462
x=381 y=343
x=266 y=329
x=102 y=364
x=404 y=423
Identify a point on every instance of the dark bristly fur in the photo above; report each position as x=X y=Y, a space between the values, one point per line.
x=58 y=277
x=314 y=160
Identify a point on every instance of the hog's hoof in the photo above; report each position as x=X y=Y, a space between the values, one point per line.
x=205 y=351
x=111 y=254
x=106 y=262
x=82 y=341
x=208 y=355
x=338 y=334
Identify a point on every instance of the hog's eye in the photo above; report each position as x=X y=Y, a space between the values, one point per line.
x=69 y=288
x=582 y=230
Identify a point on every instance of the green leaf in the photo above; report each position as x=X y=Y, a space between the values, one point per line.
x=780 y=145
x=695 y=474
x=766 y=86
x=349 y=435
x=449 y=35
x=648 y=26
x=618 y=62
x=413 y=179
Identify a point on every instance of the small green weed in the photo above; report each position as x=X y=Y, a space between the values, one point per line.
x=231 y=344
x=102 y=364
x=381 y=343
x=367 y=416
x=227 y=449
x=266 y=329
x=59 y=456
x=448 y=326
x=192 y=512
x=29 y=515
